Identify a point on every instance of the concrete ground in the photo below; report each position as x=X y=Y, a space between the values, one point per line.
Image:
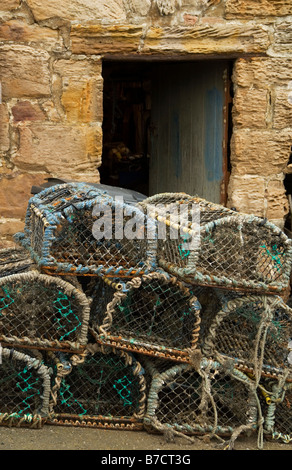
x=51 y=437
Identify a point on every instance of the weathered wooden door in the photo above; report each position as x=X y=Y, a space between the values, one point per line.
x=188 y=128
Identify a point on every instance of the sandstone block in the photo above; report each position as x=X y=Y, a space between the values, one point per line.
x=26 y=111
x=82 y=101
x=78 y=10
x=250 y=107
x=15 y=191
x=260 y=152
x=20 y=32
x=211 y=38
x=4 y=128
x=263 y=197
x=247 y=194
x=105 y=39
x=262 y=72
x=251 y=8
x=63 y=151
x=24 y=72
x=283 y=36
x=9 y=5
x=277 y=202
x=81 y=88
x=282 y=109
x=80 y=69
x=221 y=37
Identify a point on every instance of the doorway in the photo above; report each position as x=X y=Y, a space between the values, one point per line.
x=166 y=126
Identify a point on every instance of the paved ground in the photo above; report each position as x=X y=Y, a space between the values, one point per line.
x=76 y=438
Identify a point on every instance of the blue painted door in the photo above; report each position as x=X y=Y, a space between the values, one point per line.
x=187 y=139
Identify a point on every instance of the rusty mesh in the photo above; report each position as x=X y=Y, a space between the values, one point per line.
x=154 y=314
x=205 y=401
x=77 y=229
x=42 y=311
x=103 y=388
x=25 y=389
x=228 y=249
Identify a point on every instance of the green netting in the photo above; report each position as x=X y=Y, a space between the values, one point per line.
x=104 y=388
x=25 y=389
x=43 y=311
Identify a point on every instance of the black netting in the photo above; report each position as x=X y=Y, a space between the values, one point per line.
x=199 y=402
x=155 y=314
x=254 y=332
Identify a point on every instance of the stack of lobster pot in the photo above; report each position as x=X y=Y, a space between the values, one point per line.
x=48 y=308
x=170 y=308
x=38 y=314
x=238 y=266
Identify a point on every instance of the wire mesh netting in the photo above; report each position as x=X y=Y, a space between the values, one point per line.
x=208 y=400
x=104 y=388
x=154 y=314
x=25 y=389
x=209 y=244
x=74 y=228
x=275 y=397
x=42 y=311
x=13 y=261
x=253 y=331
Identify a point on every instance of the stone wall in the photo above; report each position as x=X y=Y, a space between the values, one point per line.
x=51 y=78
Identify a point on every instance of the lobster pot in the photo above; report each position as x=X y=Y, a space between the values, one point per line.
x=25 y=389
x=13 y=261
x=202 y=243
x=155 y=315
x=199 y=401
x=41 y=311
x=254 y=333
x=75 y=229
x=105 y=388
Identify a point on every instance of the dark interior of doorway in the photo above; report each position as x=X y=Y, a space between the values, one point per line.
x=127 y=123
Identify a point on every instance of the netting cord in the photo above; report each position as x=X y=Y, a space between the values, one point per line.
x=258 y=365
x=276 y=396
x=62 y=371
x=207 y=395
x=136 y=369
x=167 y=429
x=135 y=283
x=44 y=374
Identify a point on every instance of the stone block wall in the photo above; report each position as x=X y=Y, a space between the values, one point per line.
x=51 y=88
